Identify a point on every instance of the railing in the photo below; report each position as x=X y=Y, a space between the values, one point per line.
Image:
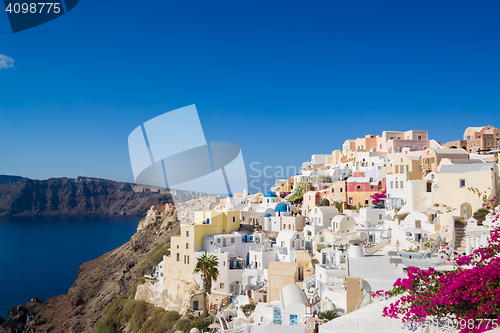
x=281 y=250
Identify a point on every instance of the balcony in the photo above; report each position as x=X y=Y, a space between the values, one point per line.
x=236 y=263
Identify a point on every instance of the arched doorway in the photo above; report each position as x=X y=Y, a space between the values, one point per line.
x=236 y=287
x=465 y=210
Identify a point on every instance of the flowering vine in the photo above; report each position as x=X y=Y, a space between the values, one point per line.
x=470 y=294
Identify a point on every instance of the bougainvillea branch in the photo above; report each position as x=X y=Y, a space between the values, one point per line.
x=470 y=293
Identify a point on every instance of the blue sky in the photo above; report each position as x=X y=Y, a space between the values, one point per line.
x=282 y=79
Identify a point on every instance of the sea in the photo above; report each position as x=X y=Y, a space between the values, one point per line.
x=40 y=256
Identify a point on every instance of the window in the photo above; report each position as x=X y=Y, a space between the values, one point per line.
x=392 y=184
x=341 y=190
x=232 y=240
x=184 y=258
x=187 y=233
x=401 y=184
x=222 y=286
x=218 y=240
x=419 y=137
x=380 y=146
x=243 y=219
x=187 y=246
x=178 y=257
x=462 y=183
x=366 y=202
x=177 y=245
x=380 y=216
x=333 y=190
x=358 y=187
x=234 y=219
x=188 y=260
x=373 y=187
x=293 y=243
x=350 y=200
x=396 y=184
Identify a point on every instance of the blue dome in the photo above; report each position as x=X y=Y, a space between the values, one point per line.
x=270 y=194
x=267 y=215
x=282 y=207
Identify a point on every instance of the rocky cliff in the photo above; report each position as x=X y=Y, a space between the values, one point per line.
x=81 y=196
x=99 y=282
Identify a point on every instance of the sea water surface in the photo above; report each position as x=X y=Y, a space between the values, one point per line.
x=40 y=256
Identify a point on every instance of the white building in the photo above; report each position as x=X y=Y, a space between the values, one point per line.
x=293 y=302
x=319 y=218
x=343 y=224
x=288 y=243
x=233 y=253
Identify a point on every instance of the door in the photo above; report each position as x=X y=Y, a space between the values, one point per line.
x=195 y=305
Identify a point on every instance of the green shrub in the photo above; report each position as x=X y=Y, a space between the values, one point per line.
x=139 y=316
x=127 y=312
x=109 y=322
x=170 y=318
x=154 y=324
x=182 y=324
x=106 y=325
x=189 y=316
x=483 y=210
x=328 y=315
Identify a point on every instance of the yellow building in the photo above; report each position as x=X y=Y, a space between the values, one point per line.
x=180 y=263
x=180 y=289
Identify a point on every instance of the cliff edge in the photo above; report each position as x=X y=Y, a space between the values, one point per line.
x=99 y=282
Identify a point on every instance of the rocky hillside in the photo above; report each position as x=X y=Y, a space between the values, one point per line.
x=81 y=196
x=99 y=282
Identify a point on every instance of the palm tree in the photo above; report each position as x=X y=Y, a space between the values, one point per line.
x=328 y=315
x=207 y=266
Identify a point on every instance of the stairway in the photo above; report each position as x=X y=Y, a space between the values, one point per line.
x=460 y=240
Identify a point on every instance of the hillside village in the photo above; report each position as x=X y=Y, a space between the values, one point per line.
x=350 y=223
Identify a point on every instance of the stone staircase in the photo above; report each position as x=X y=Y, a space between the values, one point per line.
x=460 y=240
